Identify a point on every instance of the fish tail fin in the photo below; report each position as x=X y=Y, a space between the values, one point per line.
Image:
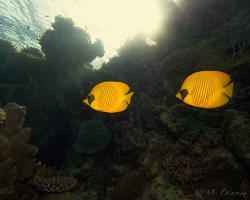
x=128 y=97
x=228 y=90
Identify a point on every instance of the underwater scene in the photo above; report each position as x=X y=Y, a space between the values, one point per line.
x=124 y=100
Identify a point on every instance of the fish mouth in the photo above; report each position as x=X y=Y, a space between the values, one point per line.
x=86 y=101
x=178 y=96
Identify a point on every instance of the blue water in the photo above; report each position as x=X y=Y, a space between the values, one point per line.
x=22 y=22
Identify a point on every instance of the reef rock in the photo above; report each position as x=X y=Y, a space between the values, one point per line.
x=237 y=131
x=161 y=189
x=2 y=116
x=185 y=170
x=222 y=170
x=55 y=184
x=93 y=137
x=193 y=127
x=130 y=186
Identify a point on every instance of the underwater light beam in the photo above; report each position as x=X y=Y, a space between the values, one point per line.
x=113 y=21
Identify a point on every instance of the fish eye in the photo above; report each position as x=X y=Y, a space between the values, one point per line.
x=90 y=98
x=184 y=93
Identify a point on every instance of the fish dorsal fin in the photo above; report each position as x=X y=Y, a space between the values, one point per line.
x=223 y=78
x=122 y=87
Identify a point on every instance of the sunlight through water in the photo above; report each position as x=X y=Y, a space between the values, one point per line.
x=111 y=21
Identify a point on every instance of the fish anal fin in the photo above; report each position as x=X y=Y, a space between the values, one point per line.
x=220 y=101
x=121 y=107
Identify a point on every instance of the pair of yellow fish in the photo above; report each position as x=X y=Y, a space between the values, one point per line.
x=204 y=89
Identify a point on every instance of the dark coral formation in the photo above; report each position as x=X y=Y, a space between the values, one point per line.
x=130 y=186
x=56 y=184
x=237 y=131
x=184 y=169
x=194 y=127
x=92 y=137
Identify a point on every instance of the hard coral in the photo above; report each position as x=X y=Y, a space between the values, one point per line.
x=183 y=169
x=237 y=131
x=17 y=157
x=130 y=186
x=55 y=184
x=195 y=128
x=2 y=116
x=160 y=189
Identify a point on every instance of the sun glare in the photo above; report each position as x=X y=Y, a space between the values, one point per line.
x=113 y=21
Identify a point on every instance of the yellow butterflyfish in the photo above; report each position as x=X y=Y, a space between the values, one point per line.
x=206 y=89
x=109 y=96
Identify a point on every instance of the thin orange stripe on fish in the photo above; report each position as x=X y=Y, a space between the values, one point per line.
x=206 y=89
x=109 y=96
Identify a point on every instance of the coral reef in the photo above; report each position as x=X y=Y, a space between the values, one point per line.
x=186 y=170
x=2 y=116
x=19 y=192
x=130 y=186
x=193 y=127
x=57 y=184
x=237 y=129
x=63 y=196
x=17 y=157
x=159 y=148
x=93 y=137
x=223 y=171
x=160 y=189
